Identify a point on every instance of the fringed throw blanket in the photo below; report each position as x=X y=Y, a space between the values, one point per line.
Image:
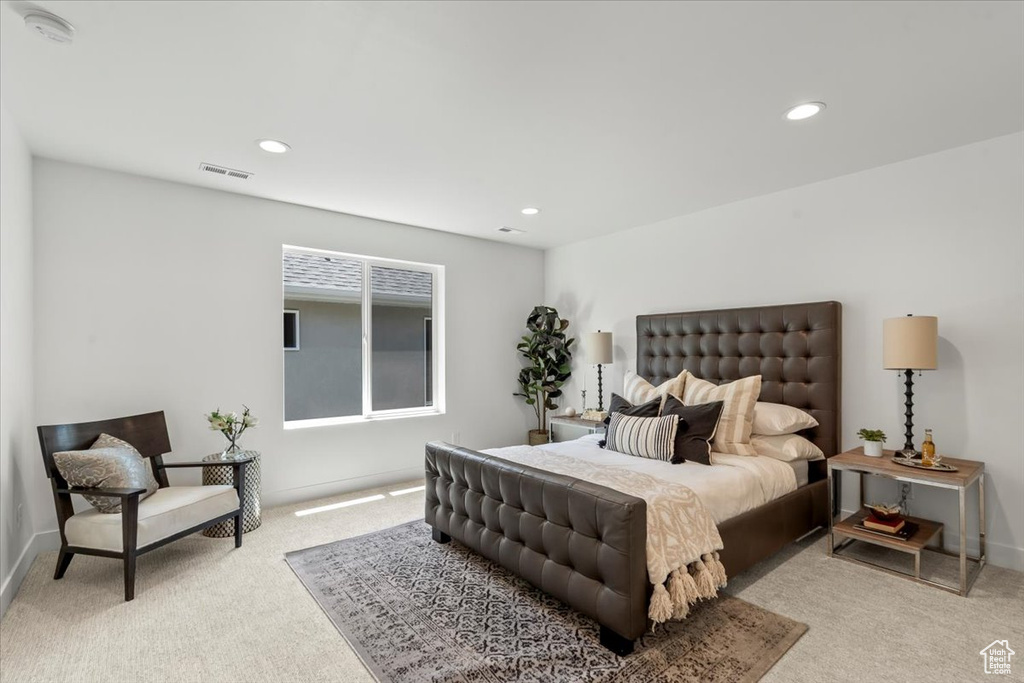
x=682 y=539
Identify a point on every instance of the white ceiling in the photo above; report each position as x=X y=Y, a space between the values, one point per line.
x=454 y=116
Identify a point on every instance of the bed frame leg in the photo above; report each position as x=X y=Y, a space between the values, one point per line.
x=616 y=643
x=439 y=536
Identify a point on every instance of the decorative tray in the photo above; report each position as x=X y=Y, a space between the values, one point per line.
x=909 y=462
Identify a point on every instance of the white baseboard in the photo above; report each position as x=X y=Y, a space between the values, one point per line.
x=302 y=494
x=41 y=542
x=997 y=554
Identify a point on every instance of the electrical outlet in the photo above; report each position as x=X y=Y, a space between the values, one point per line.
x=456 y=438
x=17 y=515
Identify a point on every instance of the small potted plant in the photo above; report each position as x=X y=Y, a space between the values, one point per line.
x=873 y=440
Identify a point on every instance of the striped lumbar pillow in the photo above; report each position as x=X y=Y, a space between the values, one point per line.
x=645 y=437
x=740 y=397
x=637 y=390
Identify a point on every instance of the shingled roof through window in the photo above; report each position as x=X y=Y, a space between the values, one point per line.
x=342 y=275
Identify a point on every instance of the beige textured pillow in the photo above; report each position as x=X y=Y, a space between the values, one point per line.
x=637 y=390
x=109 y=463
x=739 y=397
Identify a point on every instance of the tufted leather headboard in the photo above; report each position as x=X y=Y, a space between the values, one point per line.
x=795 y=348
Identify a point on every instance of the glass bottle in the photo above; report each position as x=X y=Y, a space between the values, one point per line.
x=928 y=449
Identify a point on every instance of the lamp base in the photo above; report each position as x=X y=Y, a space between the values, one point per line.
x=909 y=393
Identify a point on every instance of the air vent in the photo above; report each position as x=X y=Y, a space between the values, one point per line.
x=513 y=231
x=221 y=170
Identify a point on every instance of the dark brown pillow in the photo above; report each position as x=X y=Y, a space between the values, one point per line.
x=697 y=425
x=621 y=405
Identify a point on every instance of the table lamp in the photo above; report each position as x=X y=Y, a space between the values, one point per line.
x=599 y=352
x=908 y=344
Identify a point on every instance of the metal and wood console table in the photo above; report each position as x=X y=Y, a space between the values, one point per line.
x=968 y=472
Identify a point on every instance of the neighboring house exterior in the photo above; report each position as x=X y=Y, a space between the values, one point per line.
x=323 y=375
x=997 y=657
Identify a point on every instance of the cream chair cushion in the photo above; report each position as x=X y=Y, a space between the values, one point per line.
x=163 y=514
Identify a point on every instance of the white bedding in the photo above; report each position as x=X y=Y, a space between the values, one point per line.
x=730 y=486
x=800 y=467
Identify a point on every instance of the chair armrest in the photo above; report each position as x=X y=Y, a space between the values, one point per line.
x=123 y=494
x=212 y=463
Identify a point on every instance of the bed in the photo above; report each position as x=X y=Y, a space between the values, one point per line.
x=584 y=543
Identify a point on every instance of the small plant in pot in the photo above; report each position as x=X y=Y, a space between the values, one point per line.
x=873 y=440
x=548 y=351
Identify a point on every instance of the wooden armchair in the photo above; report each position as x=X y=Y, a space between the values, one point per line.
x=169 y=514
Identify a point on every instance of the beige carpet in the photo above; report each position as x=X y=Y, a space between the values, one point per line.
x=207 y=612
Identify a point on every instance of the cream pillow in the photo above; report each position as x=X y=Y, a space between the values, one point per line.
x=637 y=390
x=774 y=419
x=786 y=447
x=739 y=397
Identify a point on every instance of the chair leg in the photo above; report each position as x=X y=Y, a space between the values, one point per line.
x=129 y=542
x=129 y=576
x=63 y=561
x=238 y=529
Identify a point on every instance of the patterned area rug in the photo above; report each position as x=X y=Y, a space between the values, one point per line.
x=416 y=610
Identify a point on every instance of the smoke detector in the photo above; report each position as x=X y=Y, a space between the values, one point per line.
x=50 y=27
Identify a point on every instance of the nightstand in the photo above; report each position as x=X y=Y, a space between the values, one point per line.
x=968 y=472
x=568 y=428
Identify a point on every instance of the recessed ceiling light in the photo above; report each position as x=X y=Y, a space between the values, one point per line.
x=804 y=111
x=273 y=146
x=530 y=211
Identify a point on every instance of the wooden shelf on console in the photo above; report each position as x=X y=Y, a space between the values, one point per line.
x=926 y=530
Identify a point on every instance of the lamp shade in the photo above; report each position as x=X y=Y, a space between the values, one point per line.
x=910 y=343
x=599 y=348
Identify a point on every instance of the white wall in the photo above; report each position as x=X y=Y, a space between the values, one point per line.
x=937 y=235
x=23 y=486
x=156 y=296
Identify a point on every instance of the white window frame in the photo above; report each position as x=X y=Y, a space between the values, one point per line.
x=298 y=345
x=429 y=400
x=366 y=304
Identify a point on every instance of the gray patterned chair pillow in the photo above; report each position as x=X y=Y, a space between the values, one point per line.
x=109 y=463
x=108 y=441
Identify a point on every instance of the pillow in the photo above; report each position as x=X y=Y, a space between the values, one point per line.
x=621 y=405
x=773 y=419
x=109 y=463
x=697 y=425
x=786 y=447
x=638 y=390
x=733 y=435
x=644 y=437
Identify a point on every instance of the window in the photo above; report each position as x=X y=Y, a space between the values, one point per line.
x=370 y=348
x=291 y=330
x=428 y=361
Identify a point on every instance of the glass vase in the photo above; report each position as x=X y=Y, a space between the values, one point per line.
x=232 y=451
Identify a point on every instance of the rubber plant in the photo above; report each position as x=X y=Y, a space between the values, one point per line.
x=548 y=352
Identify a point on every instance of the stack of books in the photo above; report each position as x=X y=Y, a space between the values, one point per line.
x=900 y=528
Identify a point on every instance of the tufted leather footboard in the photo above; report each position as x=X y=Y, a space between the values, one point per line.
x=579 y=542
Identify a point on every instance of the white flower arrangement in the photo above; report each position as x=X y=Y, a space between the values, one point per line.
x=231 y=425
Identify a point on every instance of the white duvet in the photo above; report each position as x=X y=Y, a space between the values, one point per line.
x=730 y=486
